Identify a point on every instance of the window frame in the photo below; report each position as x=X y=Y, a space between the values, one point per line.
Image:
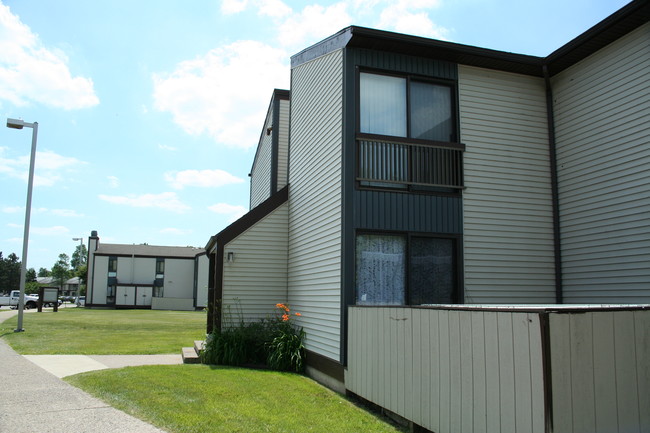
x=358 y=135
x=458 y=292
x=452 y=84
x=160 y=266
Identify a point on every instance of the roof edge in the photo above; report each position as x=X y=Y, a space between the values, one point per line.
x=621 y=22
x=249 y=220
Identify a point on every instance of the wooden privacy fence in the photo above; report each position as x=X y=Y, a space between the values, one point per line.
x=505 y=369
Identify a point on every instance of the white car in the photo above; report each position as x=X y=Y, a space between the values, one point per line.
x=81 y=301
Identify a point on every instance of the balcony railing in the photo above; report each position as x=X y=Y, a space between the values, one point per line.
x=409 y=163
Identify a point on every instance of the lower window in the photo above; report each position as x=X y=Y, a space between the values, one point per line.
x=404 y=269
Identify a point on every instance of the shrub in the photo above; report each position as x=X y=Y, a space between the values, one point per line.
x=286 y=350
x=275 y=342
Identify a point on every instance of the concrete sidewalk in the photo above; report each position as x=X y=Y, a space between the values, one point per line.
x=35 y=400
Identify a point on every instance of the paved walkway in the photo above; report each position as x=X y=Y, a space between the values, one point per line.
x=33 y=398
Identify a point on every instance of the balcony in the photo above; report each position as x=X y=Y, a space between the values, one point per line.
x=408 y=164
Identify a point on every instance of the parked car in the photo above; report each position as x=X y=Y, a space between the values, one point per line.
x=81 y=301
x=12 y=300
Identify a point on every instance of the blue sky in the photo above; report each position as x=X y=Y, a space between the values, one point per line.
x=149 y=112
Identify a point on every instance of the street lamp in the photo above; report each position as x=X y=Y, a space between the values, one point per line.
x=20 y=124
x=81 y=242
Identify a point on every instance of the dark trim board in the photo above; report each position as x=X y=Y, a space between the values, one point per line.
x=325 y=365
x=251 y=218
x=138 y=256
x=219 y=241
x=555 y=196
x=628 y=18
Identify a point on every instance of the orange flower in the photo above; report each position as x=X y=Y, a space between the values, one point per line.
x=285 y=317
x=298 y=314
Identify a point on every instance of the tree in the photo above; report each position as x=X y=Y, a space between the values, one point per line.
x=79 y=257
x=30 y=277
x=9 y=272
x=42 y=272
x=61 y=270
x=32 y=288
x=82 y=273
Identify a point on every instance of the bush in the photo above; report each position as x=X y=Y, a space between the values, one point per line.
x=240 y=345
x=286 y=350
x=275 y=342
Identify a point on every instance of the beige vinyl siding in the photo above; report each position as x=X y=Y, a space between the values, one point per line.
x=179 y=278
x=203 y=271
x=100 y=280
x=602 y=120
x=257 y=278
x=261 y=172
x=315 y=201
x=144 y=271
x=507 y=215
x=283 y=144
x=601 y=374
x=450 y=370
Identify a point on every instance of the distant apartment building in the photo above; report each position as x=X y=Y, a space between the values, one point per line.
x=146 y=276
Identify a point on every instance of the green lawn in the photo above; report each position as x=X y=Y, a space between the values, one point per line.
x=80 y=331
x=199 y=398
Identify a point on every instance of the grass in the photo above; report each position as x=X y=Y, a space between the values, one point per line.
x=195 y=398
x=80 y=331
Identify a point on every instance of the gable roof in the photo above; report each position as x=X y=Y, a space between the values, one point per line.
x=148 y=251
x=611 y=28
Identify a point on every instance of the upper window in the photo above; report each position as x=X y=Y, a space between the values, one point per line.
x=112 y=266
x=160 y=266
x=405 y=107
x=407 y=135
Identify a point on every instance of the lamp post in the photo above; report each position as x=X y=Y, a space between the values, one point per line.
x=81 y=242
x=20 y=124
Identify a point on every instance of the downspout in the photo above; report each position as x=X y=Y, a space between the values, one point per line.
x=550 y=118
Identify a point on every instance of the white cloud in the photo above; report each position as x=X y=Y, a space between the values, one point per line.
x=113 y=181
x=229 y=7
x=224 y=93
x=313 y=23
x=201 y=178
x=167 y=201
x=49 y=167
x=175 y=231
x=273 y=8
x=412 y=17
x=49 y=231
x=234 y=212
x=13 y=209
x=167 y=147
x=67 y=213
x=29 y=72
x=43 y=231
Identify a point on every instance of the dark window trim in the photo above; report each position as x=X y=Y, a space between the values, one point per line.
x=358 y=135
x=160 y=260
x=452 y=84
x=406 y=140
x=112 y=259
x=459 y=294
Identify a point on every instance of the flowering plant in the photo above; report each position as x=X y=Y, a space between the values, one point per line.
x=286 y=350
x=284 y=310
